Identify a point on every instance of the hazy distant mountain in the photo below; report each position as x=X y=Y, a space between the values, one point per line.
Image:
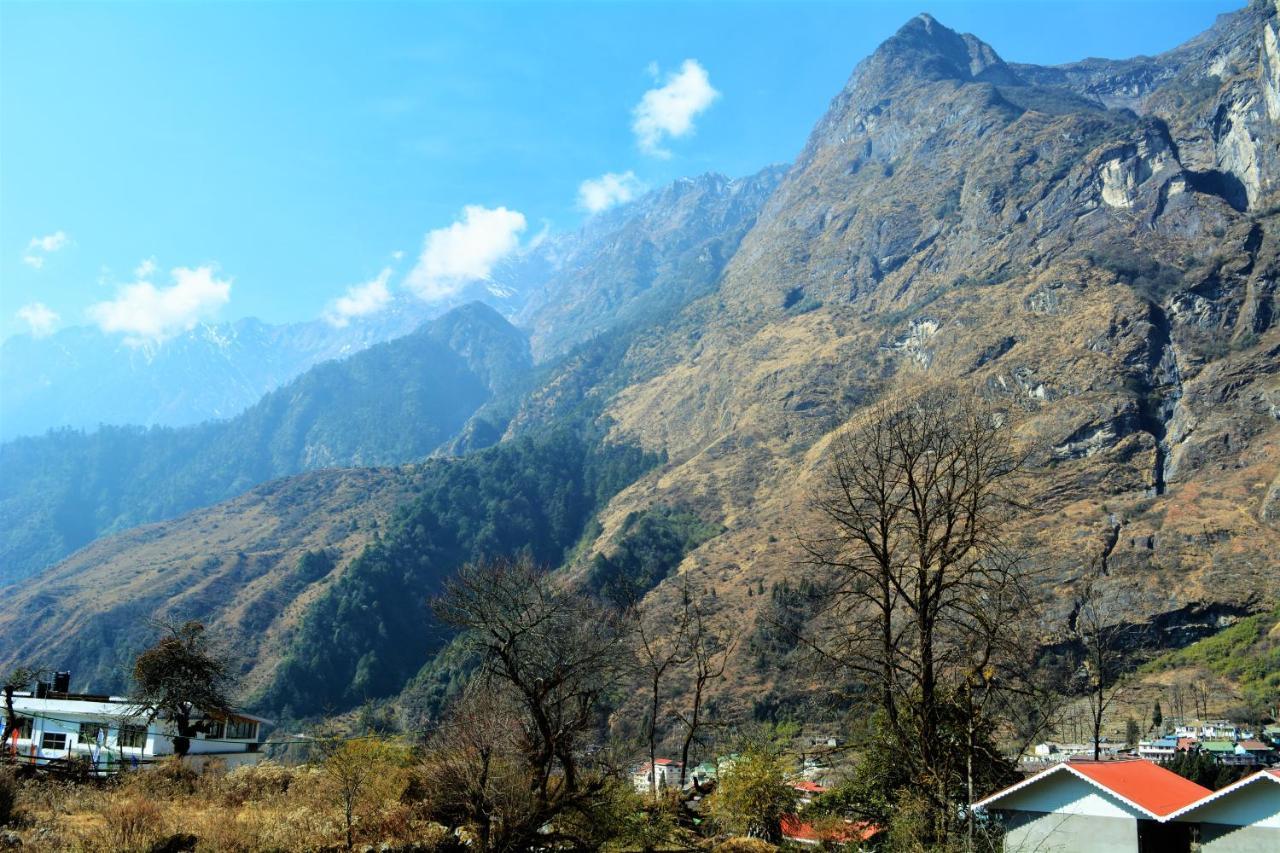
x=391 y=403
x=642 y=259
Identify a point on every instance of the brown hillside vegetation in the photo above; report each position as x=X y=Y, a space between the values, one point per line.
x=238 y=565
x=1092 y=249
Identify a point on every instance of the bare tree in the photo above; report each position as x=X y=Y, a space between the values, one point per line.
x=555 y=651
x=17 y=679
x=1105 y=641
x=182 y=680
x=474 y=775
x=661 y=645
x=915 y=499
x=709 y=651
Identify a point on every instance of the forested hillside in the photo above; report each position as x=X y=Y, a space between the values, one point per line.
x=392 y=403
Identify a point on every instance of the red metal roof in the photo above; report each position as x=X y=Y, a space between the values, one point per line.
x=797 y=830
x=1143 y=783
x=808 y=787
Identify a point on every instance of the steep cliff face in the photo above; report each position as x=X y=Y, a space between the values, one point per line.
x=1104 y=275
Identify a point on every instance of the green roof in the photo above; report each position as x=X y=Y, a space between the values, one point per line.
x=1218 y=746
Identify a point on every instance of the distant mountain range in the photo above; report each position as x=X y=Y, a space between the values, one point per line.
x=393 y=402
x=1092 y=249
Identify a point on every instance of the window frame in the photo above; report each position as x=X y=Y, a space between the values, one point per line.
x=44 y=741
x=242 y=729
x=91 y=738
x=129 y=732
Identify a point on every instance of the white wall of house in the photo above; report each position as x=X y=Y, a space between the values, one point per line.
x=1031 y=832
x=1064 y=814
x=73 y=723
x=1246 y=820
x=1068 y=794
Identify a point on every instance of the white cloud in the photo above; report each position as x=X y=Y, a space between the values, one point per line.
x=602 y=193
x=144 y=313
x=39 y=247
x=464 y=251
x=146 y=269
x=669 y=110
x=360 y=300
x=40 y=319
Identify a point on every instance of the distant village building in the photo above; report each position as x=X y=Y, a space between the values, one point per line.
x=111 y=733
x=1051 y=752
x=664 y=770
x=807 y=790
x=1165 y=748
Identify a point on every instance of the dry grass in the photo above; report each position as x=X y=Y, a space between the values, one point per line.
x=267 y=807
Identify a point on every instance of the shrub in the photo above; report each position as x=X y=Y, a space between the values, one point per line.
x=135 y=824
x=8 y=795
x=255 y=782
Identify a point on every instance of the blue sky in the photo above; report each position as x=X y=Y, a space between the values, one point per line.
x=166 y=162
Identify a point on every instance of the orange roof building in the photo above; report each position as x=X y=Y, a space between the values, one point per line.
x=1086 y=806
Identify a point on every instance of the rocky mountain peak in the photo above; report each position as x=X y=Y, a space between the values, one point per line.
x=926 y=49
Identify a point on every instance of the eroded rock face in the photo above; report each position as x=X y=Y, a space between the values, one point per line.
x=1105 y=276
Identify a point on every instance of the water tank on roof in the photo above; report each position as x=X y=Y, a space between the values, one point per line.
x=62 y=682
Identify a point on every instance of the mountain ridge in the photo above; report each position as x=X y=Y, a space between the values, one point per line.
x=1103 y=277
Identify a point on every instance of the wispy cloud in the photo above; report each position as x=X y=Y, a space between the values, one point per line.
x=465 y=251
x=669 y=110
x=144 y=313
x=145 y=269
x=40 y=319
x=611 y=188
x=38 y=248
x=360 y=300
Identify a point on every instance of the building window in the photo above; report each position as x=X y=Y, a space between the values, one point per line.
x=89 y=732
x=53 y=740
x=242 y=729
x=133 y=737
x=214 y=729
x=24 y=728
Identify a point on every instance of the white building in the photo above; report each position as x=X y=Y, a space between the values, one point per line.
x=1240 y=818
x=110 y=732
x=664 y=770
x=1115 y=806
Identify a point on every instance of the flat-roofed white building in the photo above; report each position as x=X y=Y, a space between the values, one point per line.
x=112 y=733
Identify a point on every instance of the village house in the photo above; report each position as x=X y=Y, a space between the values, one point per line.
x=112 y=733
x=1160 y=749
x=664 y=770
x=1256 y=752
x=1240 y=818
x=1049 y=752
x=1084 y=806
x=806 y=790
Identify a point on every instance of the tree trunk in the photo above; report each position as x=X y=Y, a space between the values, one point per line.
x=692 y=731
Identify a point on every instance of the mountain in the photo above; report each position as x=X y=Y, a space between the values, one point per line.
x=1093 y=249
x=632 y=263
x=392 y=403
x=80 y=377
